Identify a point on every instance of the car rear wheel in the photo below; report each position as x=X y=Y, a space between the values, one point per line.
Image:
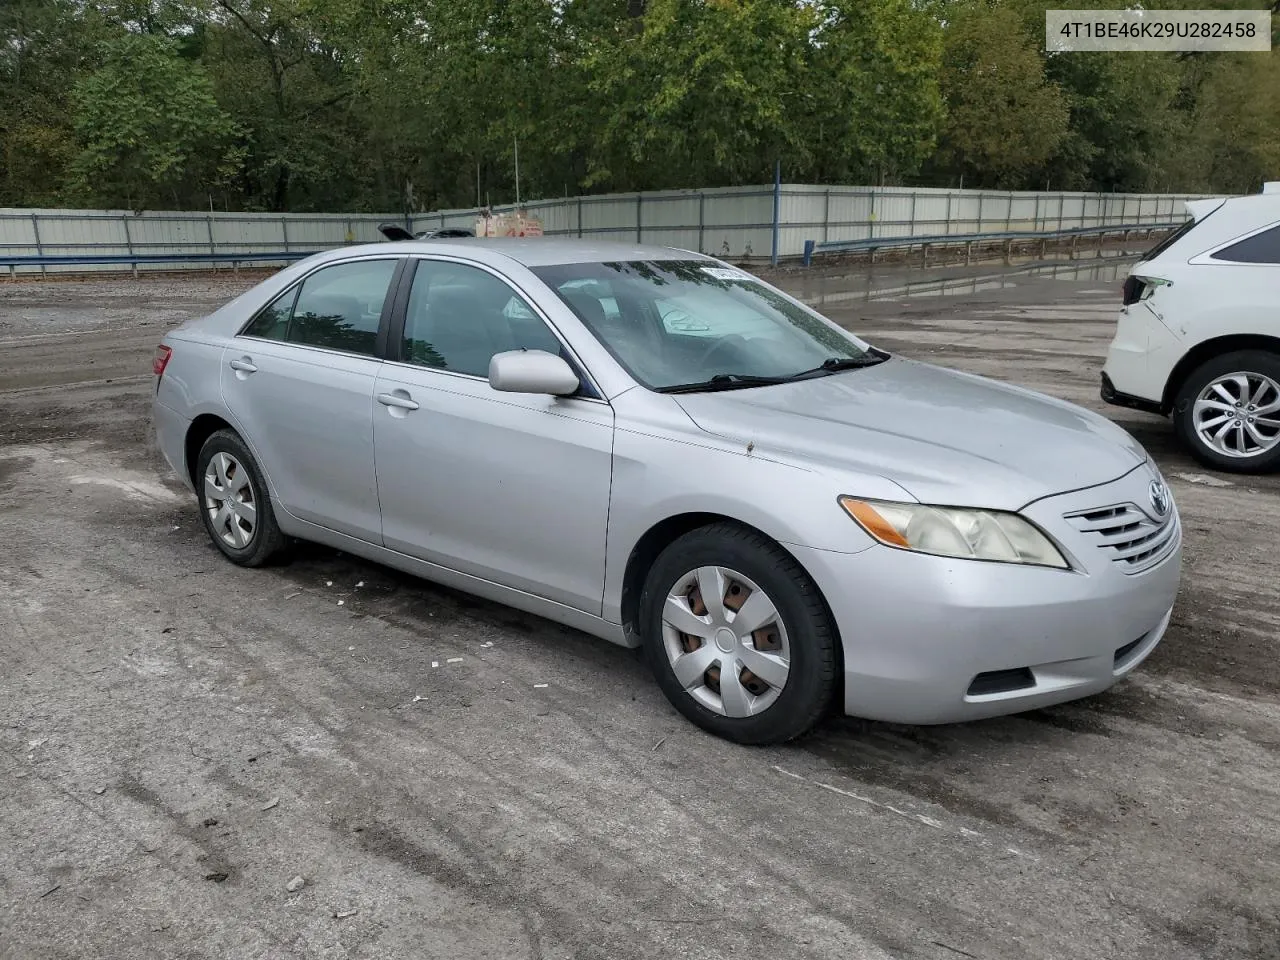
x=234 y=504
x=1228 y=412
x=738 y=636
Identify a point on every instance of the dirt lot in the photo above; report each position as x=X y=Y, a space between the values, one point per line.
x=179 y=738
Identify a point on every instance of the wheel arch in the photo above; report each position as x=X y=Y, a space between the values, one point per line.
x=1206 y=350
x=201 y=429
x=665 y=532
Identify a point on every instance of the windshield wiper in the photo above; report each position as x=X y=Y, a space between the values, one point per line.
x=723 y=381
x=737 y=381
x=836 y=364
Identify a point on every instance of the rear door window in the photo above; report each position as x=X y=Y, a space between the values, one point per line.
x=339 y=307
x=1262 y=247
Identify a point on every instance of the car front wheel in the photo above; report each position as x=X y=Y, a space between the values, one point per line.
x=234 y=503
x=1228 y=412
x=738 y=636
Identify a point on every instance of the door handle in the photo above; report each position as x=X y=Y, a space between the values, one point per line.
x=399 y=400
x=244 y=365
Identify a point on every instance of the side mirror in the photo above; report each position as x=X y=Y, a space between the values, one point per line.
x=532 y=371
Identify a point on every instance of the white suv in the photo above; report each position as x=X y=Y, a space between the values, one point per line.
x=1199 y=333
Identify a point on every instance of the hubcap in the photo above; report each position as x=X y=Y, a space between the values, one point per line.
x=1238 y=415
x=229 y=500
x=725 y=641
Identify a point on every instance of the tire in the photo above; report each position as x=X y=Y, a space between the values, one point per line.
x=1250 y=378
x=800 y=634
x=248 y=537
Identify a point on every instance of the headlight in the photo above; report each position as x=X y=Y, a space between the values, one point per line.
x=951 y=532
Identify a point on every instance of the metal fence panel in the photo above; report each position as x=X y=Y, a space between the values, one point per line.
x=736 y=222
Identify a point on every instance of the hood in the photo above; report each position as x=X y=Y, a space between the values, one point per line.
x=946 y=437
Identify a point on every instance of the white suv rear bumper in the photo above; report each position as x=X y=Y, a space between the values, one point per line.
x=1142 y=355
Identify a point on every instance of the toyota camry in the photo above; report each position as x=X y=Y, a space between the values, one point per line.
x=665 y=451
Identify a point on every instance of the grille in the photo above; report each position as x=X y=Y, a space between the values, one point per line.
x=1132 y=539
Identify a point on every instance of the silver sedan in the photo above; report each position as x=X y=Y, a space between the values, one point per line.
x=662 y=450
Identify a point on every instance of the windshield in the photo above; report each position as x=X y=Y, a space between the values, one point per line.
x=675 y=323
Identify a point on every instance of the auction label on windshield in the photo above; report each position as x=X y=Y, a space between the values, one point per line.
x=727 y=273
x=1150 y=31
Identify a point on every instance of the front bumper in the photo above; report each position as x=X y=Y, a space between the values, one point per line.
x=931 y=640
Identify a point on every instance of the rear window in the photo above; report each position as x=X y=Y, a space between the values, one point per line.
x=1262 y=247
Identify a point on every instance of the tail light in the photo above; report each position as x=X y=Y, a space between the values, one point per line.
x=161 y=360
x=1137 y=289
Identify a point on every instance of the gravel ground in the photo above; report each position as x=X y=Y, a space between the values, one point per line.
x=181 y=739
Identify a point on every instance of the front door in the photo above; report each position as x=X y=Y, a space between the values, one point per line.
x=511 y=488
x=300 y=382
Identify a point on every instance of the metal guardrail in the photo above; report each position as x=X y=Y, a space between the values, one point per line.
x=133 y=260
x=1008 y=237
x=870 y=244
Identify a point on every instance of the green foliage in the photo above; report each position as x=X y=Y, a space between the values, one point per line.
x=414 y=104
x=702 y=92
x=1233 y=143
x=147 y=124
x=873 y=103
x=40 y=43
x=1003 y=116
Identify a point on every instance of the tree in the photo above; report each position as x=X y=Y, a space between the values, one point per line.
x=418 y=104
x=41 y=45
x=287 y=85
x=1233 y=141
x=872 y=104
x=1003 y=116
x=148 y=126
x=697 y=92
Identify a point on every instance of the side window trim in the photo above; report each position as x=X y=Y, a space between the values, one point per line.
x=400 y=310
x=382 y=340
x=590 y=390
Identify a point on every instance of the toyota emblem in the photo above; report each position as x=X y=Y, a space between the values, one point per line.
x=1159 y=498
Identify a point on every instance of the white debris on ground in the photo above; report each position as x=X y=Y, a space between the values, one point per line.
x=1204 y=479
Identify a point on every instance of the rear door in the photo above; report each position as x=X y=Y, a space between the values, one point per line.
x=299 y=380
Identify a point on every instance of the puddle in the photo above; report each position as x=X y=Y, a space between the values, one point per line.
x=868 y=285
